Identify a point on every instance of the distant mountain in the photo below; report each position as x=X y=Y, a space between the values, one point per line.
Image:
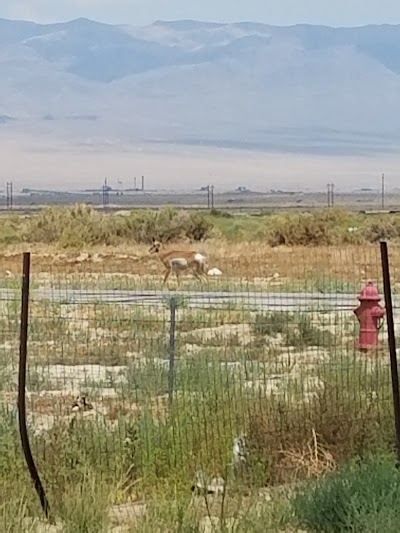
x=245 y=85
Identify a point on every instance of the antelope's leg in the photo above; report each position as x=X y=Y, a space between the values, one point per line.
x=199 y=272
x=197 y=275
x=166 y=276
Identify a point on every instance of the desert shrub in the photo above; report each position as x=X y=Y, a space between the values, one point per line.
x=11 y=460
x=9 y=230
x=199 y=227
x=220 y=214
x=82 y=225
x=306 y=229
x=362 y=497
x=297 y=329
x=272 y=323
x=306 y=334
x=388 y=228
x=167 y=225
x=297 y=437
x=85 y=506
x=71 y=226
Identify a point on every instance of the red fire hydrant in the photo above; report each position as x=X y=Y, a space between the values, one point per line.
x=370 y=316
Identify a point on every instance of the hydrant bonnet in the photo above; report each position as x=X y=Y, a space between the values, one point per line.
x=369 y=293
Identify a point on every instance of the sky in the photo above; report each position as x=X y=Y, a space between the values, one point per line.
x=140 y=12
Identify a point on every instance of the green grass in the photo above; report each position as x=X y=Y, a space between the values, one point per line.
x=297 y=329
x=362 y=497
x=82 y=226
x=147 y=452
x=136 y=443
x=85 y=508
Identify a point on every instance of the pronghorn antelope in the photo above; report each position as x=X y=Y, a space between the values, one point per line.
x=178 y=261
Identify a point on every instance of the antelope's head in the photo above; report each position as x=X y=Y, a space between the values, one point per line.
x=155 y=247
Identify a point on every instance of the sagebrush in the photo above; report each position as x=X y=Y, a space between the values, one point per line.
x=82 y=225
x=363 y=497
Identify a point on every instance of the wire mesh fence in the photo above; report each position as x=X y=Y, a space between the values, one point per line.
x=143 y=383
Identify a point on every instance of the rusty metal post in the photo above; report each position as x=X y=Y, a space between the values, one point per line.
x=392 y=342
x=23 y=351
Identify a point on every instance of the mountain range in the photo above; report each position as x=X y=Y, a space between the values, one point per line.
x=299 y=89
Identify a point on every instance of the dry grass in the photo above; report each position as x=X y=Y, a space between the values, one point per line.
x=244 y=261
x=312 y=460
x=294 y=430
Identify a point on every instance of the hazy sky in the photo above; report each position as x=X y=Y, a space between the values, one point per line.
x=330 y=12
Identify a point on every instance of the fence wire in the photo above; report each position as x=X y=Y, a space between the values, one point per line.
x=143 y=384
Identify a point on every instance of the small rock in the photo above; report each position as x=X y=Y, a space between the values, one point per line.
x=214 y=272
x=96 y=258
x=265 y=494
x=275 y=341
x=83 y=256
x=38 y=526
x=133 y=355
x=123 y=513
x=203 y=485
x=124 y=528
x=191 y=349
x=212 y=524
x=234 y=366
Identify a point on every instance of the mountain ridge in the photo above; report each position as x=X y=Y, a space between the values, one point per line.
x=192 y=82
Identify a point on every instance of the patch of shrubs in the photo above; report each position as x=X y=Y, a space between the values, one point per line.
x=297 y=329
x=363 y=497
x=81 y=225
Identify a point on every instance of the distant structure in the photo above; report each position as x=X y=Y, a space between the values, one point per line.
x=210 y=196
x=135 y=186
x=106 y=194
x=331 y=196
x=10 y=200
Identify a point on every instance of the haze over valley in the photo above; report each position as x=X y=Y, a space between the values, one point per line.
x=188 y=102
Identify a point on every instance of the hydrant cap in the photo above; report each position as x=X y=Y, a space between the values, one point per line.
x=370 y=293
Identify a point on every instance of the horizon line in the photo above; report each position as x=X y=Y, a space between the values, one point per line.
x=202 y=21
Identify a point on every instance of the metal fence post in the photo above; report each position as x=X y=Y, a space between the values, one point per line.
x=23 y=350
x=171 y=369
x=392 y=342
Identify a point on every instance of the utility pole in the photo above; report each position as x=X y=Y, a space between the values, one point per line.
x=208 y=197
x=331 y=196
x=10 y=199
x=212 y=197
x=105 y=194
x=383 y=191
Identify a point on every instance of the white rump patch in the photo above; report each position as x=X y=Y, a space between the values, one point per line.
x=179 y=262
x=199 y=258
